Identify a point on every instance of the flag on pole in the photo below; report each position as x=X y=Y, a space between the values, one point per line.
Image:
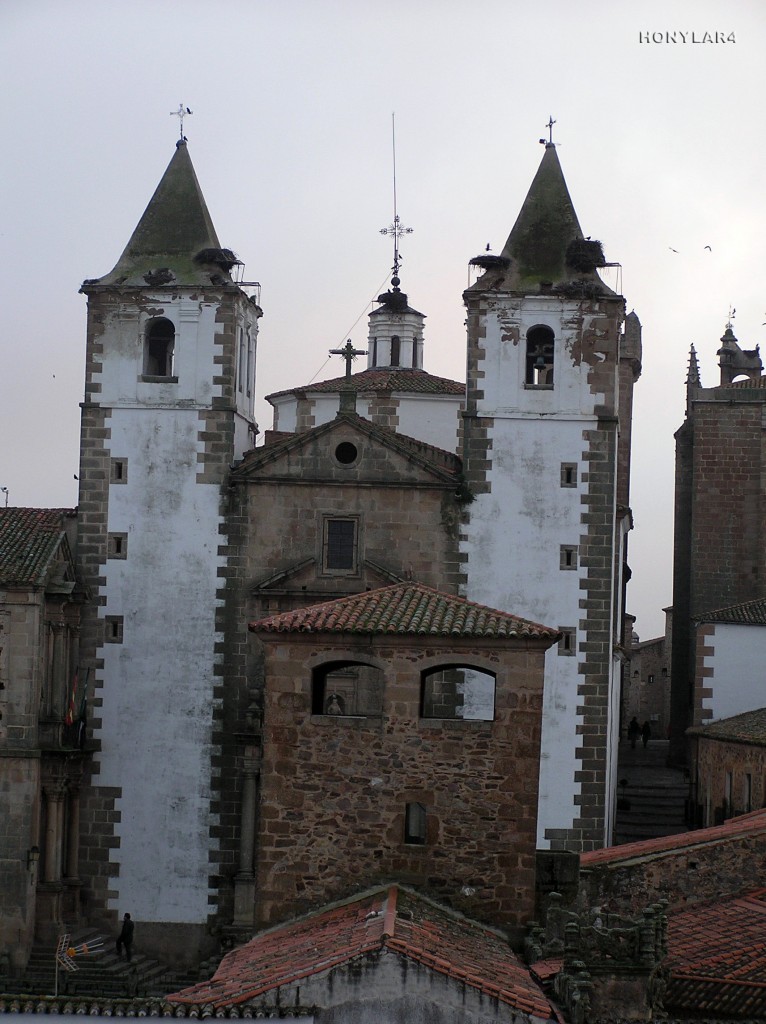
x=69 y=716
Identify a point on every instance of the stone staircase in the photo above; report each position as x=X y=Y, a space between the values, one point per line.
x=651 y=798
x=103 y=975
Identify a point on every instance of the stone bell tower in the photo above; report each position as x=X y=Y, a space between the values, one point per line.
x=549 y=392
x=170 y=387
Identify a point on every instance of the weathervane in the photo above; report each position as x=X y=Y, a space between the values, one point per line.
x=549 y=126
x=181 y=113
x=395 y=229
x=732 y=314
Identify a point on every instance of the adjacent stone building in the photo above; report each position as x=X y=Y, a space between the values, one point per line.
x=719 y=550
x=729 y=767
x=42 y=709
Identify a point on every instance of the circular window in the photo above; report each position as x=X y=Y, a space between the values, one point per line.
x=346 y=453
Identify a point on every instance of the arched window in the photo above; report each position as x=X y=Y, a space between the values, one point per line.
x=347 y=688
x=539 y=367
x=457 y=692
x=395 y=350
x=159 y=345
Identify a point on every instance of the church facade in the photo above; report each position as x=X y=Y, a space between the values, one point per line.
x=506 y=492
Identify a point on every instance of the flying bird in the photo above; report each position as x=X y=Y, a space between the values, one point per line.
x=708 y=248
x=672 y=249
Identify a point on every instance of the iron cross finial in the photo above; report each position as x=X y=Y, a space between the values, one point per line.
x=396 y=229
x=181 y=113
x=549 y=126
x=349 y=353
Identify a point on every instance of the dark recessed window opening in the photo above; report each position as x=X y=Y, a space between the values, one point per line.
x=457 y=692
x=118 y=471
x=568 y=641
x=113 y=629
x=539 y=363
x=346 y=453
x=395 y=350
x=159 y=346
x=349 y=689
x=340 y=545
x=117 y=545
x=568 y=557
x=415 y=824
x=569 y=474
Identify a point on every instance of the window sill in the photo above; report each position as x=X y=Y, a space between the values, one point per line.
x=357 y=721
x=456 y=723
x=149 y=379
x=538 y=387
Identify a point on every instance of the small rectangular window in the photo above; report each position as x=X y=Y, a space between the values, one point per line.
x=340 y=545
x=569 y=474
x=415 y=824
x=651 y=677
x=568 y=641
x=747 y=796
x=117 y=545
x=568 y=556
x=118 y=471
x=113 y=629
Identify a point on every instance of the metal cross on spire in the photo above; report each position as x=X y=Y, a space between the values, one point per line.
x=732 y=314
x=181 y=113
x=349 y=353
x=549 y=126
x=395 y=229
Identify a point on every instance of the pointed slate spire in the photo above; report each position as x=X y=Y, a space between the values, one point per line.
x=546 y=246
x=175 y=241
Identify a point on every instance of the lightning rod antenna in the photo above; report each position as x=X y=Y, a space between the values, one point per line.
x=396 y=229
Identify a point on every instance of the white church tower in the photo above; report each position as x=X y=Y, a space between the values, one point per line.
x=546 y=451
x=170 y=387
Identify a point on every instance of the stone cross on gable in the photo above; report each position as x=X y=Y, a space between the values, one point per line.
x=349 y=353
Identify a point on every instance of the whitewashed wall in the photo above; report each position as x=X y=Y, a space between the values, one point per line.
x=157 y=685
x=738 y=682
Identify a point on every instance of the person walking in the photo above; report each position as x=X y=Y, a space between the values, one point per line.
x=125 y=938
x=646 y=733
x=634 y=731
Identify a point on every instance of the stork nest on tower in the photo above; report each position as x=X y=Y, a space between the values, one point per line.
x=585 y=255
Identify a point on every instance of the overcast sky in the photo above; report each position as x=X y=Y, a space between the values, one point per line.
x=662 y=146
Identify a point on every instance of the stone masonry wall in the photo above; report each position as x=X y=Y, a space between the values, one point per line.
x=98 y=803
x=719 y=798
x=727 y=540
x=334 y=790
x=689 y=873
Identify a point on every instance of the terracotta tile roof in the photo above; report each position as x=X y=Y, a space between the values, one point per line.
x=398 y=379
x=753 y=823
x=749 y=727
x=28 y=540
x=717 y=956
x=395 y=920
x=751 y=613
x=404 y=609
